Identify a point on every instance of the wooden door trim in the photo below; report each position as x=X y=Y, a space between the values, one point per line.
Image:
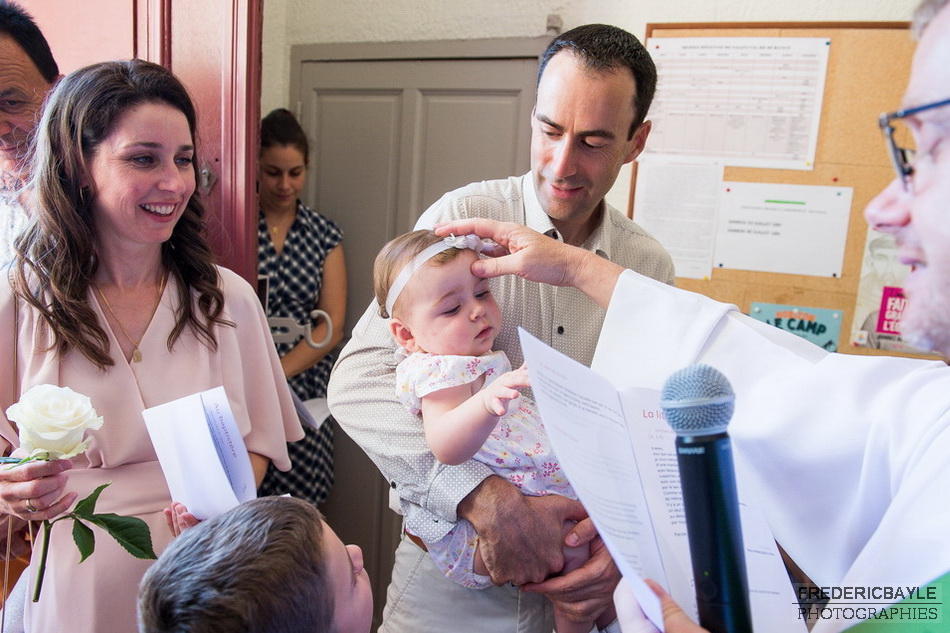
x=497 y=48
x=234 y=196
x=152 y=40
x=241 y=137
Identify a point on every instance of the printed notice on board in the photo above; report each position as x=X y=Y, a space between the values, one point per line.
x=777 y=228
x=748 y=101
x=677 y=202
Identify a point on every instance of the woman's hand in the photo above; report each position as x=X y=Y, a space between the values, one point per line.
x=179 y=519
x=333 y=302
x=34 y=491
x=632 y=619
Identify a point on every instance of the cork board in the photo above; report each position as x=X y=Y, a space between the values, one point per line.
x=868 y=67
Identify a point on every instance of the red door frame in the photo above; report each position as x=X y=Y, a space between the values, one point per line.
x=218 y=57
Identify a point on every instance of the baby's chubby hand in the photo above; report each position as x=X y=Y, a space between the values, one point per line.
x=504 y=389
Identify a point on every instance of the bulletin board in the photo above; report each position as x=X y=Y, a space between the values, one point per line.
x=868 y=68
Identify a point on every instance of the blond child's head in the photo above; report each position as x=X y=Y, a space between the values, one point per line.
x=395 y=255
x=425 y=287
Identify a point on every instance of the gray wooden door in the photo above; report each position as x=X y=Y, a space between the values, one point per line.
x=389 y=137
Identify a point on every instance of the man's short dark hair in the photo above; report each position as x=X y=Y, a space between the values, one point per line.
x=602 y=47
x=19 y=25
x=258 y=567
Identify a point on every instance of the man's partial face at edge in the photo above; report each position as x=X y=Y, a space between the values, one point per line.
x=22 y=91
x=919 y=218
x=579 y=139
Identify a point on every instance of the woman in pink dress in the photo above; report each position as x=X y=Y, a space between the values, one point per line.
x=115 y=294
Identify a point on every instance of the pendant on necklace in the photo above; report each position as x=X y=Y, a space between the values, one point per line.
x=136 y=355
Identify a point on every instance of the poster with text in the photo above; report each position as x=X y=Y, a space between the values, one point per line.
x=818 y=325
x=744 y=101
x=880 y=299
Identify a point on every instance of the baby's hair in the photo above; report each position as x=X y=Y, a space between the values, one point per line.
x=396 y=254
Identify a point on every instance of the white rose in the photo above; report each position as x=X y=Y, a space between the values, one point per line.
x=52 y=421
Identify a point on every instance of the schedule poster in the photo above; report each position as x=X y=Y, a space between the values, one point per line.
x=747 y=101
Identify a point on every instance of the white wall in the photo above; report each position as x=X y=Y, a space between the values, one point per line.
x=289 y=22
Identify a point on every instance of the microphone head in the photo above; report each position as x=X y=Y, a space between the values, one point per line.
x=697 y=400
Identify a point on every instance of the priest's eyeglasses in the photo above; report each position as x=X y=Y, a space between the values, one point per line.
x=902 y=158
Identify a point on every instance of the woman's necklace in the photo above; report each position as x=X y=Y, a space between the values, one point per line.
x=136 y=352
x=283 y=222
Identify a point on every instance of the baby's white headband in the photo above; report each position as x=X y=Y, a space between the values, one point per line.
x=462 y=241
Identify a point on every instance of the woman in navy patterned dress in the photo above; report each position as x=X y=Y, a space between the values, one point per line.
x=301 y=253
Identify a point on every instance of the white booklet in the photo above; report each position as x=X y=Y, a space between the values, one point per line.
x=201 y=452
x=619 y=454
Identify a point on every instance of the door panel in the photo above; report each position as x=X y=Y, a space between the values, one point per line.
x=392 y=136
x=215 y=48
x=444 y=118
x=355 y=168
x=70 y=27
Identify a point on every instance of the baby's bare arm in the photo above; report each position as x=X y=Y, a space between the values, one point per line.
x=457 y=421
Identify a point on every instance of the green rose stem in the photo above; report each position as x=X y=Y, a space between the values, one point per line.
x=41 y=570
x=129 y=532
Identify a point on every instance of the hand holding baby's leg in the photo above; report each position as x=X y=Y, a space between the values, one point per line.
x=574 y=557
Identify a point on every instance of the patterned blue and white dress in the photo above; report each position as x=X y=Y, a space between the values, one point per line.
x=295 y=280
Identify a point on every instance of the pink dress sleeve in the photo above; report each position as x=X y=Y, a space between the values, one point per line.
x=252 y=375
